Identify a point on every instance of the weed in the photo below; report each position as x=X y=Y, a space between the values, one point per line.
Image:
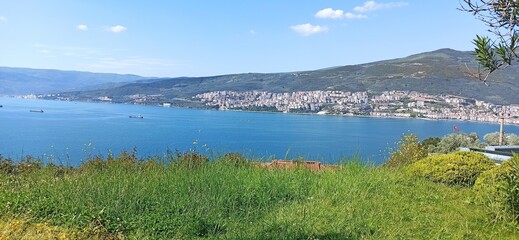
x=409 y=151
x=191 y=197
x=191 y=159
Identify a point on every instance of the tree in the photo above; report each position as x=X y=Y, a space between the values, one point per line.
x=454 y=141
x=508 y=139
x=502 y=19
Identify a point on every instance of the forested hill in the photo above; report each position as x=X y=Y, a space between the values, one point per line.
x=22 y=81
x=442 y=71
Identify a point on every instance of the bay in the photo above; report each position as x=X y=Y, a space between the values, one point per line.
x=69 y=132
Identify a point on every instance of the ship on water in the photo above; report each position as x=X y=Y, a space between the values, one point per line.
x=136 y=116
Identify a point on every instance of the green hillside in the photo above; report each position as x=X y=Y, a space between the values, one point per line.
x=439 y=72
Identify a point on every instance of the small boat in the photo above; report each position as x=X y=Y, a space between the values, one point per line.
x=36 y=110
x=136 y=116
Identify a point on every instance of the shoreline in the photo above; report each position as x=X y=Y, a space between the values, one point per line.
x=271 y=112
x=339 y=115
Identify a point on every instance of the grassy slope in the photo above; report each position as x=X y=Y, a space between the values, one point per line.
x=224 y=201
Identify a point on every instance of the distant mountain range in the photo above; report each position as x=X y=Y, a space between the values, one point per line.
x=440 y=72
x=21 y=81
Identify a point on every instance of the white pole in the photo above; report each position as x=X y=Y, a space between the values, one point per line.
x=501 y=131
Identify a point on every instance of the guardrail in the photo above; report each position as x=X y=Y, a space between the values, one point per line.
x=497 y=156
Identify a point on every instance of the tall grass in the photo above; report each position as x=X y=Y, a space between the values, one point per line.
x=163 y=199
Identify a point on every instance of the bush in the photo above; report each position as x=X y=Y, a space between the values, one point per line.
x=431 y=142
x=409 y=151
x=509 y=139
x=459 y=168
x=490 y=191
x=490 y=184
x=512 y=139
x=512 y=189
x=497 y=190
x=454 y=141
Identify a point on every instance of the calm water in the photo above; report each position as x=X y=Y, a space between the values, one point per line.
x=67 y=132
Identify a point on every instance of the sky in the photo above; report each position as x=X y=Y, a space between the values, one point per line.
x=174 y=38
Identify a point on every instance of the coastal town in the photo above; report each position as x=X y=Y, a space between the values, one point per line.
x=404 y=104
x=389 y=104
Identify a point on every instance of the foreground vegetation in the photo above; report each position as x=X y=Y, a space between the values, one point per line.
x=186 y=197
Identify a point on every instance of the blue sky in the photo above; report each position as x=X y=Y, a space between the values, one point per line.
x=172 y=38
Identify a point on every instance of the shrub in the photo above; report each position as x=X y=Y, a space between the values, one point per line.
x=454 y=141
x=512 y=139
x=497 y=190
x=459 y=168
x=512 y=189
x=431 y=142
x=490 y=184
x=509 y=139
x=409 y=151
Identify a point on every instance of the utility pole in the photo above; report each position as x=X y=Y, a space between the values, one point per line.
x=501 y=130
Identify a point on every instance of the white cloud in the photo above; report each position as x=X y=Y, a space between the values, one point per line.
x=337 y=14
x=354 y=16
x=330 y=13
x=252 y=32
x=373 y=6
x=82 y=27
x=308 y=29
x=3 y=19
x=117 y=29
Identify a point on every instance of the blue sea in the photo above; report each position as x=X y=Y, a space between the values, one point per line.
x=69 y=132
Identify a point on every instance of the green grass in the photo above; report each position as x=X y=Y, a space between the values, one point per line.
x=224 y=200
